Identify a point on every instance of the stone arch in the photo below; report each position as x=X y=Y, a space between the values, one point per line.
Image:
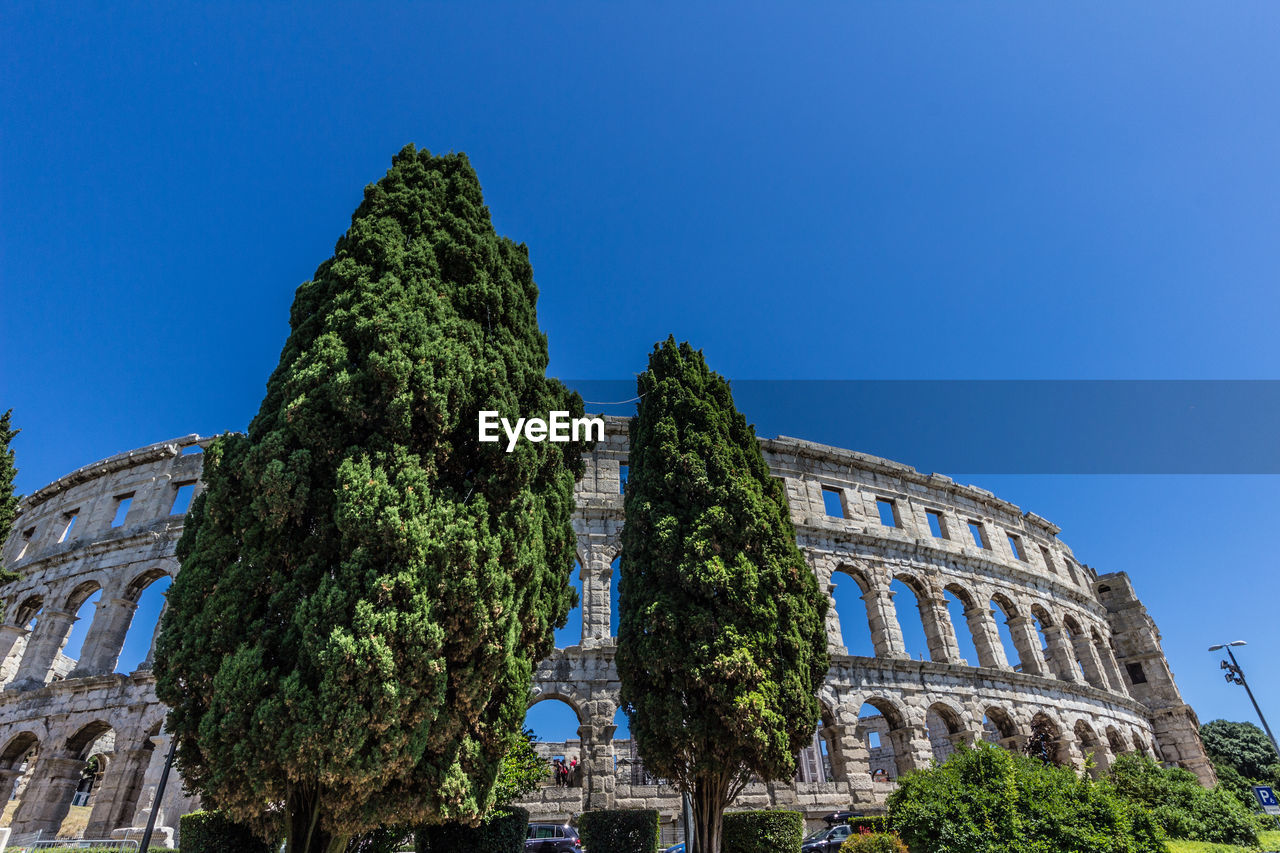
x=821 y=760
x=15 y=634
x=929 y=627
x=135 y=587
x=945 y=728
x=998 y=727
x=56 y=777
x=890 y=739
x=1045 y=741
x=80 y=593
x=1140 y=746
x=1087 y=667
x=1021 y=635
x=1091 y=746
x=871 y=628
x=546 y=742
x=117 y=626
x=983 y=635
x=17 y=760
x=1110 y=666
x=1115 y=740
x=28 y=610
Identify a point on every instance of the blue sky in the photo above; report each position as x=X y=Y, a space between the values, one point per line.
x=831 y=191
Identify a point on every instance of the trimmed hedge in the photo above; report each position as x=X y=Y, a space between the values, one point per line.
x=620 y=830
x=874 y=842
x=763 y=831
x=503 y=832
x=212 y=832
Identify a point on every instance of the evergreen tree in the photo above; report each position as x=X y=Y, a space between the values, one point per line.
x=722 y=645
x=8 y=500
x=366 y=586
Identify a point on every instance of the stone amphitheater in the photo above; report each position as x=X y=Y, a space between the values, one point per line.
x=1080 y=659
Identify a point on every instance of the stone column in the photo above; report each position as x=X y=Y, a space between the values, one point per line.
x=151 y=774
x=886 y=633
x=46 y=641
x=912 y=749
x=986 y=638
x=116 y=798
x=840 y=743
x=1112 y=668
x=597 y=575
x=11 y=637
x=596 y=737
x=835 y=637
x=939 y=633
x=47 y=799
x=1088 y=657
x=1013 y=743
x=1068 y=751
x=1061 y=660
x=1027 y=642
x=8 y=780
x=105 y=639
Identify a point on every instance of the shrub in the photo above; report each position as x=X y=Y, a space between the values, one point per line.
x=213 y=832
x=501 y=832
x=874 y=842
x=1182 y=807
x=872 y=823
x=987 y=800
x=764 y=831
x=620 y=830
x=384 y=839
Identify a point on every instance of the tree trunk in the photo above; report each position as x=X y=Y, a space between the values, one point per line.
x=306 y=834
x=710 y=797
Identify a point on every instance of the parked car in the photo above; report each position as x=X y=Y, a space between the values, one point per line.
x=675 y=848
x=552 y=838
x=826 y=840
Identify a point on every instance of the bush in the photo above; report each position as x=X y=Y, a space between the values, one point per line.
x=874 y=842
x=213 y=832
x=384 y=839
x=501 y=832
x=987 y=800
x=872 y=823
x=764 y=831
x=1182 y=807
x=620 y=830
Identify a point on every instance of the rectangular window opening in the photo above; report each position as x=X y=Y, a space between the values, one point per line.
x=192 y=449
x=70 y=519
x=833 y=501
x=979 y=537
x=1136 y=675
x=182 y=498
x=937 y=525
x=26 y=542
x=1015 y=545
x=1048 y=560
x=873 y=740
x=622 y=478
x=888 y=512
x=122 y=509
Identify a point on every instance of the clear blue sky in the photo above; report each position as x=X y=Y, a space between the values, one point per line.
x=871 y=190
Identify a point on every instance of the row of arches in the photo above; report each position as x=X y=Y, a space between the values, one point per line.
x=101 y=624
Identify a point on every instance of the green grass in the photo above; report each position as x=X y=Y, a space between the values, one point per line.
x=1270 y=841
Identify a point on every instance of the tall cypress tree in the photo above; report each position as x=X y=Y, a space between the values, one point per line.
x=8 y=500
x=722 y=645
x=366 y=586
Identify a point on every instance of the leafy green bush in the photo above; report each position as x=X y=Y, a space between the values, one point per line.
x=763 y=831
x=384 y=839
x=872 y=823
x=213 y=832
x=620 y=830
x=987 y=800
x=501 y=832
x=874 y=842
x=1183 y=808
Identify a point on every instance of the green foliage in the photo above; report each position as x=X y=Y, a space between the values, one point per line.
x=522 y=770
x=502 y=832
x=620 y=830
x=872 y=823
x=213 y=832
x=721 y=644
x=763 y=831
x=366 y=586
x=874 y=842
x=384 y=839
x=987 y=800
x=1244 y=747
x=1183 y=808
x=8 y=500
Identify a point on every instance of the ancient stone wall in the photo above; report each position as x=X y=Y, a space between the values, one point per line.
x=1085 y=660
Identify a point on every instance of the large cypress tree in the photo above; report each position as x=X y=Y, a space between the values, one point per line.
x=722 y=645
x=8 y=500
x=365 y=586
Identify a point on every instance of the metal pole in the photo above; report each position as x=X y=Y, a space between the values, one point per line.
x=155 y=805
x=1240 y=673
x=686 y=812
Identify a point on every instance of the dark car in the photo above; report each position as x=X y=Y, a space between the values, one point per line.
x=552 y=838
x=826 y=840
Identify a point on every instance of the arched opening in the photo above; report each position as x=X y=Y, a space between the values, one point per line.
x=148 y=592
x=1115 y=740
x=555 y=721
x=998 y=728
x=615 y=584
x=1096 y=760
x=944 y=726
x=1043 y=622
x=25 y=617
x=83 y=602
x=90 y=779
x=70 y=817
x=960 y=609
x=1002 y=611
x=880 y=725
x=1110 y=669
x=906 y=605
x=1045 y=741
x=1139 y=746
x=571 y=633
x=853 y=612
x=1084 y=665
x=815 y=762
x=17 y=760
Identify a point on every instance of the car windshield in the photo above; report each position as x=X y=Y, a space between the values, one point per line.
x=816 y=835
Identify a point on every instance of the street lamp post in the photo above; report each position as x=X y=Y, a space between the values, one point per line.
x=1235 y=675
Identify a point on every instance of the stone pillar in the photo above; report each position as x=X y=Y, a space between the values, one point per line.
x=1013 y=743
x=912 y=749
x=105 y=639
x=597 y=575
x=8 y=780
x=1088 y=657
x=47 y=799
x=12 y=637
x=986 y=638
x=857 y=766
x=1061 y=660
x=46 y=641
x=886 y=633
x=837 y=738
x=596 y=737
x=151 y=774
x=835 y=637
x=116 y=799
x=1027 y=643
x=939 y=633
x=1112 y=668
x=1068 y=752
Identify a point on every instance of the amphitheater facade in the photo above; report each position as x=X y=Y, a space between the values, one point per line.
x=1082 y=659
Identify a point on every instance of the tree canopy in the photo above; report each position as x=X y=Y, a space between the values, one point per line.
x=722 y=644
x=8 y=500
x=365 y=586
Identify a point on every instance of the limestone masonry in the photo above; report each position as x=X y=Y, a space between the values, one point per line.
x=1089 y=665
